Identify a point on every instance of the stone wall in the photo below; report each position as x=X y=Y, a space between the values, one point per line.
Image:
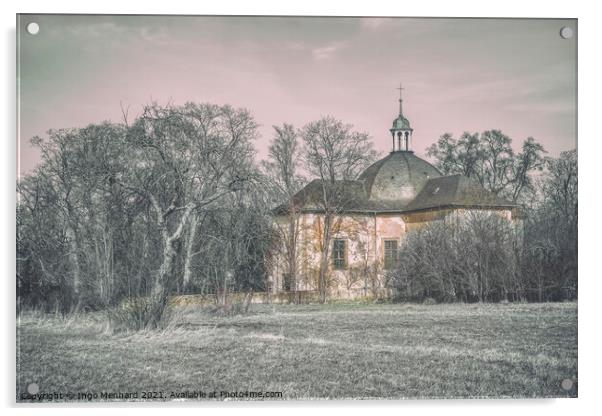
x=300 y=297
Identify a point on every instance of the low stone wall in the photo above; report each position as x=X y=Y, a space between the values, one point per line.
x=298 y=297
x=305 y=296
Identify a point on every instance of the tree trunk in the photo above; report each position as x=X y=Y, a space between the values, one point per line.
x=324 y=258
x=292 y=251
x=160 y=292
x=164 y=279
x=248 y=300
x=75 y=266
x=189 y=253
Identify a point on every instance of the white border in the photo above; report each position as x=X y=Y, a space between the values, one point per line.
x=590 y=124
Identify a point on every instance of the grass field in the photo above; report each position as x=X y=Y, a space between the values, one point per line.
x=311 y=351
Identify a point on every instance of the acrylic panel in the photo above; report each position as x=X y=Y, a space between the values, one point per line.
x=291 y=208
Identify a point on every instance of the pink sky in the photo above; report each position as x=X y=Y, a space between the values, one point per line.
x=517 y=75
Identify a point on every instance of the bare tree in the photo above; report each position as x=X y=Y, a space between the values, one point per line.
x=61 y=173
x=490 y=159
x=129 y=211
x=283 y=170
x=550 y=255
x=43 y=264
x=235 y=244
x=72 y=180
x=467 y=256
x=334 y=153
x=187 y=158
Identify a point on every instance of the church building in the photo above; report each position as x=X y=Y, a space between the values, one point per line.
x=392 y=197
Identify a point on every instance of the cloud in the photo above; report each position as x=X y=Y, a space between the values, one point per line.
x=91 y=30
x=326 y=52
x=555 y=107
x=376 y=23
x=157 y=36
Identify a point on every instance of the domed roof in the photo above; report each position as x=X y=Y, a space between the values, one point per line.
x=397 y=177
x=401 y=123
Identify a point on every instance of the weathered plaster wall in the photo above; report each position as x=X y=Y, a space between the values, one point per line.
x=365 y=235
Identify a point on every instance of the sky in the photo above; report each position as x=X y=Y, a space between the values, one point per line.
x=517 y=75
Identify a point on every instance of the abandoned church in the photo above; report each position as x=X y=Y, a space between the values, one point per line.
x=392 y=197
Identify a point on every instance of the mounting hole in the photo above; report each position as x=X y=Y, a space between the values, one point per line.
x=33 y=388
x=33 y=28
x=567 y=384
x=566 y=32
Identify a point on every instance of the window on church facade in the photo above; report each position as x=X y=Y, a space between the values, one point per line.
x=339 y=254
x=390 y=254
x=286 y=281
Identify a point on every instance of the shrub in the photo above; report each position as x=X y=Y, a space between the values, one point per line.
x=134 y=314
x=468 y=256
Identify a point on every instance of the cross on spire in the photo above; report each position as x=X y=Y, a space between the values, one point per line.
x=400 y=88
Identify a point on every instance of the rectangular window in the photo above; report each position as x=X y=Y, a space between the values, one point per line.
x=339 y=254
x=390 y=254
x=286 y=281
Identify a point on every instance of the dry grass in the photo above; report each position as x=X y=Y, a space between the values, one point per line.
x=314 y=351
